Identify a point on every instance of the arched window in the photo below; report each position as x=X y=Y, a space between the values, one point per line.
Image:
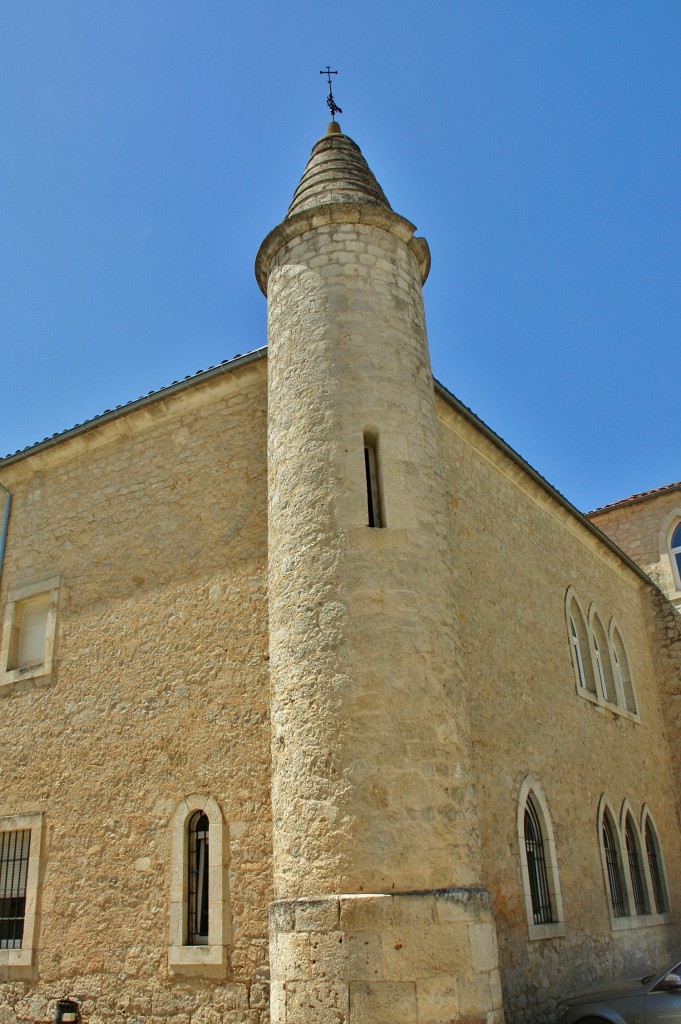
x=197 y=882
x=606 y=679
x=541 y=887
x=635 y=870
x=675 y=552
x=579 y=644
x=655 y=867
x=200 y=921
x=613 y=865
x=622 y=672
x=536 y=866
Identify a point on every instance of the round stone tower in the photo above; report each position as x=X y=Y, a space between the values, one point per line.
x=380 y=915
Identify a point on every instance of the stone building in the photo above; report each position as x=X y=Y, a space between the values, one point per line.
x=319 y=704
x=648 y=527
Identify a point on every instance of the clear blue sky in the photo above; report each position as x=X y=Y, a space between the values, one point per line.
x=149 y=145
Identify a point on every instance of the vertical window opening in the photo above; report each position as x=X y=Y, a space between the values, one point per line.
x=374 y=514
x=637 y=884
x=613 y=867
x=536 y=866
x=197 y=924
x=653 y=853
x=579 y=640
x=14 y=851
x=675 y=548
x=604 y=671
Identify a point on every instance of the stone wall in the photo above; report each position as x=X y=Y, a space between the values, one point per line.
x=641 y=529
x=156 y=524
x=516 y=552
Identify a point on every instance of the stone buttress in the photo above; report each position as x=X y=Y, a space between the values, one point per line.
x=380 y=914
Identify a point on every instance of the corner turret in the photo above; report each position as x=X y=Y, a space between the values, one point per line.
x=376 y=863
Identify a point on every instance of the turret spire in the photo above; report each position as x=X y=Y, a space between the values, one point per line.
x=330 y=101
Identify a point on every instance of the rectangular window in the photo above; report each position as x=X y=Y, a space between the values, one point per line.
x=30 y=632
x=14 y=853
x=28 y=647
x=20 y=844
x=374 y=513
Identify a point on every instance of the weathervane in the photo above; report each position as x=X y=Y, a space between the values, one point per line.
x=330 y=101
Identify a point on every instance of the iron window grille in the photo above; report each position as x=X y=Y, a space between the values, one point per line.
x=614 y=876
x=640 y=900
x=542 y=911
x=659 y=893
x=198 y=861
x=14 y=851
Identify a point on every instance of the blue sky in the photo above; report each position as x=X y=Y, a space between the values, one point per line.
x=148 y=146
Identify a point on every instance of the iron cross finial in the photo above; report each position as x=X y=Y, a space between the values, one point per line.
x=330 y=101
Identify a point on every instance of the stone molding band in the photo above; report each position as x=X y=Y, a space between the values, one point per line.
x=340 y=213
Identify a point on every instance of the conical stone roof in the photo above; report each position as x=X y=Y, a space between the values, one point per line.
x=337 y=187
x=336 y=173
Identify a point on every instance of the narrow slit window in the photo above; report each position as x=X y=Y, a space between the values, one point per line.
x=374 y=516
x=197 y=930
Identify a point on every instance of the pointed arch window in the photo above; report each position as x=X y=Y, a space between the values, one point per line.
x=675 y=552
x=541 y=886
x=611 y=853
x=606 y=679
x=536 y=866
x=579 y=643
x=622 y=672
x=655 y=867
x=636 y=874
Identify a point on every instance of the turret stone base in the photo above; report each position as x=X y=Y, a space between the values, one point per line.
x=403 y=958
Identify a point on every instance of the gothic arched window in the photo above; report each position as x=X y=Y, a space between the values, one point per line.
x=604 y=671
x=656 y=869
x=622 y=672
x=536 y=866
x=539 y=870
x=636 y=874
x=613 y=865
x=579 y=642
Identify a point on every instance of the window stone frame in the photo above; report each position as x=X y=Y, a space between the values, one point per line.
x=530 y=787
x=211 y=959
x=34 y=675
x=18 y=963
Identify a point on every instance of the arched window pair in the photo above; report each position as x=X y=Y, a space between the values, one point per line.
x=199 y=905
x=633 y=868
x=541 y=885
x=599 y=659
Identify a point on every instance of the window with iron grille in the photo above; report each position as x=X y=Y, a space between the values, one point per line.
x=637 y=880
x=536 y=866
x=612 y=863
x=14 y=857
x=654 y=863
x=198 y=861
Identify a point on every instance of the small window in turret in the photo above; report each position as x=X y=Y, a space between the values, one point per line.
x=371 y=467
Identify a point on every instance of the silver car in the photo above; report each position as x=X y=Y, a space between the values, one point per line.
x=655 y=999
